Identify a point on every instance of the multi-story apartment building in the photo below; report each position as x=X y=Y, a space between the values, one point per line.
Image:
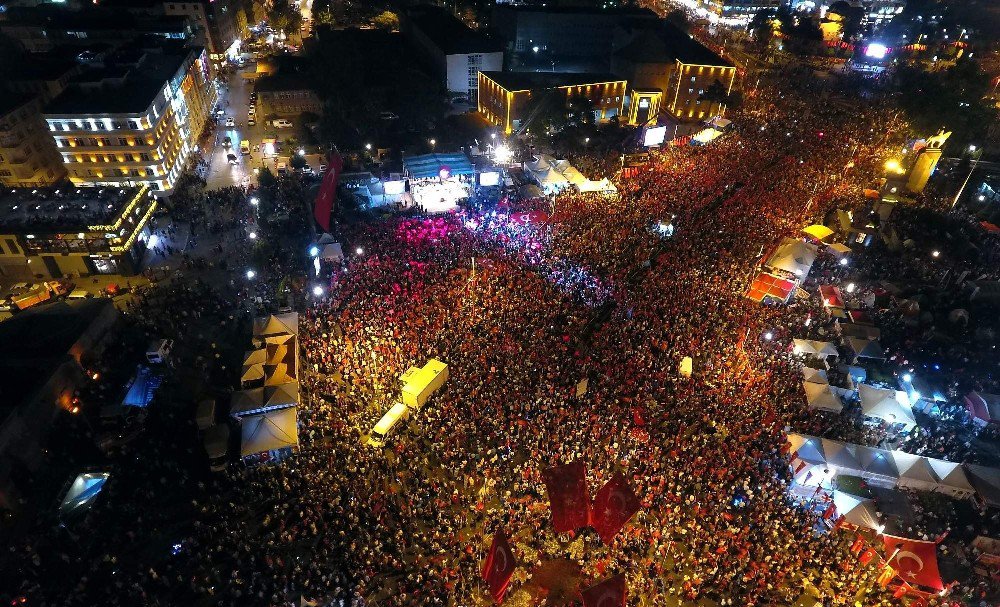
x=135 y=120
x=222 y=24
x=74 y=231
x=28 y=157
x=730 y=12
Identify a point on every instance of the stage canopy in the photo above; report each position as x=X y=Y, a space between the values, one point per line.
x=276 y=324
x=888 y=405
x=820 y=396
x=792 y=256
x=814 y=347
x=82 y=492
x=914 y=471
x=429 y=166
x=865 y=348
x=769 y=286
x=840 y=455
x=269 y=431
x=332 y=252
x=283 y=394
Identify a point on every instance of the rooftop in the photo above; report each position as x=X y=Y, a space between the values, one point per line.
x=133 y=96
x=449 y=34
x=628 y=11
x=521 y=81
x=44 y=336
x=282 y=82
x=57 y=210
x=666 y=44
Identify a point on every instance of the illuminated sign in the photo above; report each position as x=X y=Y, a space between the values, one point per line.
x=489 y=178
x=643 y=103
x=654 y=136
x=394 y=188
x=876 y=50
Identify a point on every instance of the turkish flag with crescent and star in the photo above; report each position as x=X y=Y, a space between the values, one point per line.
x=609 y=593
x=914 y=560
x=613 y=506
x=499 y=566
x=568 y=495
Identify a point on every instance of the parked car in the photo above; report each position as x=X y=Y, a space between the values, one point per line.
x=251 y=121
x=230 y=121
x=282 y=123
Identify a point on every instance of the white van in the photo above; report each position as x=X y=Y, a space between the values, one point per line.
x=383 y=429
x=282 y=123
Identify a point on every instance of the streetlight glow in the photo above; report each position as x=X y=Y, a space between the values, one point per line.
x=251 y=274
x=318 y=291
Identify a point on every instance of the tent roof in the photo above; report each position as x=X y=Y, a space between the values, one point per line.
x=819 y=232
x=886 y=405
x=604 y=185
x=914 y=467
x=267 y=431
x=427 y=166
x=332 y=251
x=866 y=348
x=877 y=461
x=807 y=448
x=840 y=455
x=277 y=374
x=950 y=474
x=986 y=482
x=247 y=400
x=276 y=324
x=255 y=357
x=770 y=286
x=793 y=256
x=813 y=346
x=983 y=406
x=252 y=372
x=282 y=394
x=814 y=376
x=839 y=249
x=856 y=510
x=819 y=396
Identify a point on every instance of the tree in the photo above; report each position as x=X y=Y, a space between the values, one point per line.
x=298 y=162
x=325 y=17
x=284 y=18
x=386 y=20
x=581 y=110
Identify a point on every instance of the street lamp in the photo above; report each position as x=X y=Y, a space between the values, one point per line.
x=252 y=235
x=255 y=201
x=360 y=251
x=318 y=291
x=368 y=147
x=251 y=274
x=433 y=142
x=893 y=166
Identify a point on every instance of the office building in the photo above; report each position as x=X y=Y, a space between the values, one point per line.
x=50 y=347
x=505 y=98
x=134 y=120
x=28 y=157
x=453 y=50
x=667 y=70
x=220 y=24
x=73 y=231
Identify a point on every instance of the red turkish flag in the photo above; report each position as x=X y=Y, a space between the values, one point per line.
x=499 y=566
x=609 y=593
x=915 y=560
x=568 y=495
x=328 y=191
x=613 y=506
x=867 y=556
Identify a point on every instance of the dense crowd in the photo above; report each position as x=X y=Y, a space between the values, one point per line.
x=522 y=311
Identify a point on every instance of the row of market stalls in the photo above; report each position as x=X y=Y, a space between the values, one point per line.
x=267 y=403
x=819 y=462
x=888 y=405
x=554 y=175
x=790 y=262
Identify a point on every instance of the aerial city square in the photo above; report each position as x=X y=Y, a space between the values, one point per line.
x=583 y=303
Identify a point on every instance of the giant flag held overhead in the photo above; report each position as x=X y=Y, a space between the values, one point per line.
x=499 y=566
x=914 y=560
x=568 y=496
x=328 y=191
x=613 y=506
x=609 y=593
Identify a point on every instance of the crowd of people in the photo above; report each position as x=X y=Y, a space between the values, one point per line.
x=522 y=308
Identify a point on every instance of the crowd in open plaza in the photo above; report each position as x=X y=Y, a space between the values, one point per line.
x=523 y=302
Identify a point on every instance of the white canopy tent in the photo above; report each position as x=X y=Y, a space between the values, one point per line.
x=986 y=481
x=820 y=396
x=332 y=252
x=252 y=373
x=840 y=455
x=269 y=431
x=857 y=511
x=246 y=400
x=808 y=449
x=865 y=348
x=814 y=347
x=951 y=478
x=254 y=357
x=877 y=463
x=282 y=394
x=889 y=405
x=276 y=324
x=604 y=185
x=814 y=376
x=914 y=471
x=793 y=256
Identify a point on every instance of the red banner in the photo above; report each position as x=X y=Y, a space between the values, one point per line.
x=915 y=560
x=499 y=566
x=568 y=496
x=609 y=593
x=328 y=191
x=613 y=506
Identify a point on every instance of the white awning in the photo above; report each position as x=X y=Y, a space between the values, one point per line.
x=914 y=471
x=793 y=256
x=814 y=347
x=819 y=396
x=269 y=431
x=889 y=405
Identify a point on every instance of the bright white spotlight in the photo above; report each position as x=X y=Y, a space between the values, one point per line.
x=502 y=154
x=769 y=336
x=318 y=291
x=251 y=274
x=255 y=201
x=360 y=251
x=314 y=251
x=252 y=235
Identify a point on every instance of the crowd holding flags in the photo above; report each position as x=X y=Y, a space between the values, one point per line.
x=568 y=496
x=609 y=593
x=614 y=505
x=499 y=566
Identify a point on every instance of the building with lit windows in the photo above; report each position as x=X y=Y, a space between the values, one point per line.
x=669 y=71
x=729 y=12
x=221 y=24
x=74 y=231
x=136 y=120
x=455 y=52
x=506 y=98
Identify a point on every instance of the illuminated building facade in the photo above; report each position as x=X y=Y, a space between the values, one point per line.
x=221 y=24
x=27 y=155
x=505 y=98
x=74 y=231
x=666 y=60
x=134 y=121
